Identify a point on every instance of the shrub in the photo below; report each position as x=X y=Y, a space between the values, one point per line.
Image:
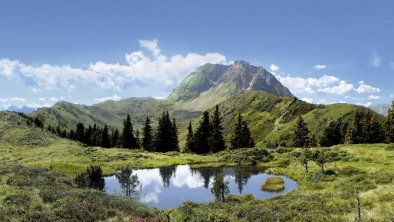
x=274 y=184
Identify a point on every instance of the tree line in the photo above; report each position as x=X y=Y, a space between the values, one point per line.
x=365 y=127
x=208 y=137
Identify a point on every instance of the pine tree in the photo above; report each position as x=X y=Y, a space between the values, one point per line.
x=202 y=135
x=128 y=139
x=80 y=132
x=300 y=133
x=190 y=138
x=390 y=124
x=241 y=136
x=166 y=138
x=217 y=132
x=376 y=131
x=105 y=141
x=137 y=138
x=331 y=134
x=355 y=132
x=174 y=136
x=147 y=136
x=115 y=138
x=88 y=136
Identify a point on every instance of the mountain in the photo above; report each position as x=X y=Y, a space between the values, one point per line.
x=381 y=108
x=23 y=109
x=213 y=83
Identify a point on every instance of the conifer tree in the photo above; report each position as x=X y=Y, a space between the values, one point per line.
x=137 y=138
x=300 y=133
x=174 y=136
x=115 y=138
x=241 y=136
x=88 y=136
x=147 y=136
x=331 y=134
x=390 y=124
x=355 y=130
x=80 y=132
x=189 y=138
x=105 y=141
x=217 y=132
x=202 y=135
x=376 y=130
x=166 y=138
x=128 y=139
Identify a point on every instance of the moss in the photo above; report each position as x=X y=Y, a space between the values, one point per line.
x=273 y=184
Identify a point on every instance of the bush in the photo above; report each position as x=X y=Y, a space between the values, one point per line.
x=350 y=171
x=274 y=184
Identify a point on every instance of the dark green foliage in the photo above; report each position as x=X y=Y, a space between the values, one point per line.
x=220 y=187
x=115 y=138
x=190 y=138
x=166 y=138
x=375 y=131
x=305 y=157
x=202 y=135
x=217 y=131
x=241 y=136
x=331 y=134
x=147 y=136
x=128 y=139
x=137 y=138
x=300 y=133
x=390 y=124
x=105 y=141
x=80 y=132
x=92 y=178
x=365 y=128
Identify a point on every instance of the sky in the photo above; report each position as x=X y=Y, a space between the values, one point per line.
x=90 y=51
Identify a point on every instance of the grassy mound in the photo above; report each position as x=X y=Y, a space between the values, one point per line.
x=274 y=184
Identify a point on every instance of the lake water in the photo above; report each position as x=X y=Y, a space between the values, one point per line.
x=169 y=187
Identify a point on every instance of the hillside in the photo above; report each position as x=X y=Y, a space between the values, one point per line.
x=213 y=83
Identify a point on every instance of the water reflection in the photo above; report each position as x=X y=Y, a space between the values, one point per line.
x=169 y=187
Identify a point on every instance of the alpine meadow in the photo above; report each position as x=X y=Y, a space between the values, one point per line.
x=300 y=129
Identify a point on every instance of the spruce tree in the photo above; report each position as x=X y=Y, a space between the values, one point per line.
x=331 y=134
x=166 y=138
x=202 y=135
x=241 y=136
x=174 y=136
x=217 y=132
x=80 y=132
x=115 y=138
x=376 y=133
x=356 y=131
x=190 y=138
x=137 y=139
x=390 y=124
x=105 y=141
x=88 y=136
x=128 y=139
x=300 y=133
x=147 y=136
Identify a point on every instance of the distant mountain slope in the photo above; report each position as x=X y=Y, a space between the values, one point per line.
x=14 y=129
x=23 y=109
x=381 y=108
x=112 y=113
x=213 y=83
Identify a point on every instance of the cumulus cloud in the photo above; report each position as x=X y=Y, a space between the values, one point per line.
x=114 y=97
x=340 y=89
x=137 y=69
x=274 y=68
x=375 y=60
x=364 y=88
x=319 y=67
x=308 y=100
x=12 y=99
x=368 y=104
x=373 y=97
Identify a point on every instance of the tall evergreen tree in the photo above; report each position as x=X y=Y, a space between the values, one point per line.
x=88 y=136
x=147 y=136
x=190 y=138
x=376 y=131
x=355 y=130
x=300 y=133
x=202 y=135
x=80 y=132
x=128 y=139
x=115 y=138
x=174 y=136
x=331 y=134
x=137 y=138
x=390 y=124
x=166 y=138
x=241 y=136
x=217 y=132
x=105 y=141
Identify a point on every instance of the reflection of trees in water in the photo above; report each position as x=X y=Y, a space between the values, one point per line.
x=206 y=174
x=241 y=178
x=128 y=182
x=166 y=174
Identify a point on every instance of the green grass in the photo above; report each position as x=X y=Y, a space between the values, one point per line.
x=274 y=184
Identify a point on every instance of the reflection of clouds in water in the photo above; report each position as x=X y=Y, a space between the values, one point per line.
x=149 y=177
x=184 y=176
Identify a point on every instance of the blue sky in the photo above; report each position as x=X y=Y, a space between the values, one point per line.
x=89 y=51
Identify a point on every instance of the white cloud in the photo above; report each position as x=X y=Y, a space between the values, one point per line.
x=373 y=97
x=139 y=69
x=340 y=89
x=274 y=67
x=375 y=60
x=368 y=104
x=319 y=67
x=114 y=97
x=364 y=88
x=38 y=105
x=308 y=100
x=12 y=99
